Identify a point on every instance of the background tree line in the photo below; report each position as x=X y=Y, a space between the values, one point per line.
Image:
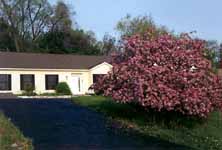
x=37 y=26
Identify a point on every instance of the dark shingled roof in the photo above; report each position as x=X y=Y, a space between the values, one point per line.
x=49 y=61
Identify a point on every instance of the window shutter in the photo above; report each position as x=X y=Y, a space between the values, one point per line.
x=33 y=81
x=9 y=82
x=21 y=82
x=57 y=80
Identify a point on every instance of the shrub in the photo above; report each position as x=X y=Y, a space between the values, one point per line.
x=164 y=73
x=63 y=88
x=29 y=90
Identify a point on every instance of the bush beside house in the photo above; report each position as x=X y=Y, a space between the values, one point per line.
x=63 y=89
x=29 y=91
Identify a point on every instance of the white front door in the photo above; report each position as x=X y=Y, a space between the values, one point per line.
x=75 y=84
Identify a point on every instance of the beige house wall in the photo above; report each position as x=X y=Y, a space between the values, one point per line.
x=103 y=68
x=65 y=75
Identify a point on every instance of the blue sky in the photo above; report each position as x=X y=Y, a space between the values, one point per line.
x=101 y=16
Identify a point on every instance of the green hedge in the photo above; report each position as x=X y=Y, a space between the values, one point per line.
x=63 y=88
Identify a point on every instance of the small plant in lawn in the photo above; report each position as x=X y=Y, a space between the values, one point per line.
x=165 y=74
x=63 y=89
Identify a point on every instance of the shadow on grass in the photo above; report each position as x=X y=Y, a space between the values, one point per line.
x=120 y=116
x=141 y=116
x=177 y=128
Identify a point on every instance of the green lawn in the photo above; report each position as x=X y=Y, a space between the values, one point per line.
x=204 y=136
x=11 y=138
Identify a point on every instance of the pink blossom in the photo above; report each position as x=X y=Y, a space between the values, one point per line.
x=164 y=73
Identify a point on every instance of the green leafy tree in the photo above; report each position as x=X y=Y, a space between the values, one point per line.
x=212 y=53
x=63 y=38
x=61 y=20
x=27 y=19
x=220 y=56
x=129 y=25
x=6 y=43
x=108 y=44
x=74 y=41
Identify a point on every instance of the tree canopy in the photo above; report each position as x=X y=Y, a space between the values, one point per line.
x=164 y=73
x=129 y=26
x=27 y=19
x=37 y=26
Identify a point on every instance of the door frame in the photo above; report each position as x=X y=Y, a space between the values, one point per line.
x=79 y=83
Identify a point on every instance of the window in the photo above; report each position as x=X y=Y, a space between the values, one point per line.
x=5 y=82
x=51 y=81
x=27 y=81
x=96 y=77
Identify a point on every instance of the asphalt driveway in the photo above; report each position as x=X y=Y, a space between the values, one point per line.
x=62 y=125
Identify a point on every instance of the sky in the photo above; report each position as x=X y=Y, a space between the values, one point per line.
x=101 y=16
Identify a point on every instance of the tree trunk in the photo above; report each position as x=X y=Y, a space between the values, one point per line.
x=17 y=45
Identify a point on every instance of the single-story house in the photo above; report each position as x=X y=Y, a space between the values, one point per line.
x=44 y=71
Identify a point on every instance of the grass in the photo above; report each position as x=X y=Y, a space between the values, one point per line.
x=202 y=136
x=51 y=94
x=11 y=138
x=43 y=94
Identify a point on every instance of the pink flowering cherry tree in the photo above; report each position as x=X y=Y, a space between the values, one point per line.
x=164 y=73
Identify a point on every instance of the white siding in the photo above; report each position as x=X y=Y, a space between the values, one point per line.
x=64 y=76
x=103 y=68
